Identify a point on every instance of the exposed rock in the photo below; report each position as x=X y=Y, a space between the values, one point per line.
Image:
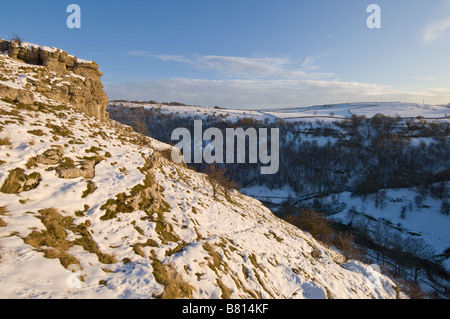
x=8 y=92
x=64 y=78
x=50 y=157
x=24 y=97
x=85 y=169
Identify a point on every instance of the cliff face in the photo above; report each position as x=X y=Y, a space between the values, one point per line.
x=43 y=72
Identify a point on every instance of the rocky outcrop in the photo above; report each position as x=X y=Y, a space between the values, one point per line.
x=62 y=77
x=85 y=169
x=50 y=157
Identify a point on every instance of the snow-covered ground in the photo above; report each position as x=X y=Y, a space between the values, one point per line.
x=325 y=113
x=425 y=222
x=260 y=255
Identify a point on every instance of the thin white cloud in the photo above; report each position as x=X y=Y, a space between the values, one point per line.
x=309 y=64
x=138 y=53
x=172 y=58
x=439 y=28
x=423 y=78
x=163 y=57
x=241 y=66
x=244 y=67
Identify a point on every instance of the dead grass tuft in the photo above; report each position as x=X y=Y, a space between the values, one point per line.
x=175 y=286
x=5 y=141
x=54 y=238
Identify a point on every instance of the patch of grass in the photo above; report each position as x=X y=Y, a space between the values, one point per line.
x=80 y=213
x=177 y=249
x=5 y=141
x=31 y=163
x=138 y=229
x=2 y=212
x=18 y=182
x=261 y=282
x=165 y=230
x=89 y=244
x=175 y=286
x=121 y=204
x=60 y=130
x=55 y=237
x=216 y=258
x=252 y=258
x=91 y=187
x=278 y=239
x=2 y=162
x=45 y=108
x=94 y=149
x=67 y=163
x=36 y=132
x=97 y=158
x=226 y=292
x=137 y=248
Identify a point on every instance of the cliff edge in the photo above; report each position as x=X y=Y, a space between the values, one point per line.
x=40 y=73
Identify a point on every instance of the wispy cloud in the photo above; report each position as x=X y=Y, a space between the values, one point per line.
x=163 y=57
x=439 y=28
x=245 y=67
x=423 y=78
x=240 y=66
x=309 y=64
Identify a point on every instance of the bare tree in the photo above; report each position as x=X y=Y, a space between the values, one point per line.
x=218 y=180
x=16 y=38
x=141 y=128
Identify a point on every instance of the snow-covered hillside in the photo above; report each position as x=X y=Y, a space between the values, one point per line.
x=90 y=209
x=321 y=112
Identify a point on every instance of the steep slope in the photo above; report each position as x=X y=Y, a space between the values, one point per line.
x=90 y=209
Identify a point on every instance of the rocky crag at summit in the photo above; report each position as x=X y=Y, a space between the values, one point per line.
x=43 y=73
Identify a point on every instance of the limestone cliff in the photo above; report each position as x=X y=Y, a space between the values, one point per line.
x=43 y=72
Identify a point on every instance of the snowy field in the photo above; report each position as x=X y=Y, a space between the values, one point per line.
x=325 y=112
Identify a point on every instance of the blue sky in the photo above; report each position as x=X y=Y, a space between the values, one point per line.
x=251 y=53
